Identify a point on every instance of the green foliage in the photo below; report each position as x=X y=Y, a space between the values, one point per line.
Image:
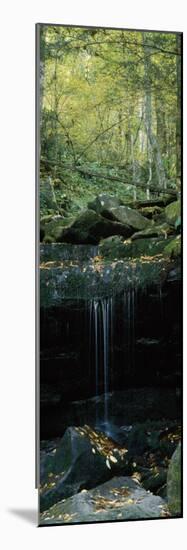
x=93 y=97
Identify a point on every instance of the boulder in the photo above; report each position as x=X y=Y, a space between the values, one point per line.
x=53 y=227
x=90 y=227
x=104 y=201
x=83 y=459
x=116 y=248
x=128 y=216
x=174 y=483
x=173 y=248
x=121 y=498
x=163 y=230
x=112 y=247
x=173 y=212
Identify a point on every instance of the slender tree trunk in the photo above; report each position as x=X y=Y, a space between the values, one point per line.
x=42 y=68
x=55 y=121
x=161 y=123
x=133 y=166
x=148 y=111
x=153 y=146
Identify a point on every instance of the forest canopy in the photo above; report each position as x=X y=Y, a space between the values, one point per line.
x=110 y=114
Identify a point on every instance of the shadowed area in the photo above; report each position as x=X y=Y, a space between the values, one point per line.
x=27 y=514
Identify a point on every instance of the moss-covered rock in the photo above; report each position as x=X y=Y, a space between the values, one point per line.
x=53 y=227
x=104 y=202
x=112 y=247
x=126 y=215
x=173 y=247
x=173 y=212
x=48 y=239
x=90 y=227
x=174 y=483
x=116 y=248
x=163 y=230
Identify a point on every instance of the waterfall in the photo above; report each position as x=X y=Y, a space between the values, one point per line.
x=129 y=327
x=96 y=327
x=106 y=316
x=100 y=333
x=106 y=336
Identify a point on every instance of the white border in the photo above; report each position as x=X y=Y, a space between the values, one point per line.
x=17 y=268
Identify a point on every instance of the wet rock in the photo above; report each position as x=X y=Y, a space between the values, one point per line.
x=148 y=341
x=174 y=483
x=97 y=280
x=90 y=227
x=104 y=201
x=132 y=405
x=66 y=252
x=83 y=459
x=174 y=274
x=156 y=481
x=121 y=498
x=128 y=216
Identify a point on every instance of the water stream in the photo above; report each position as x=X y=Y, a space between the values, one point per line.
x=105 y=333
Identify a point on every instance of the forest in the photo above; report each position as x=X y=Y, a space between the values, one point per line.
x=110 y=115
x=110 y=186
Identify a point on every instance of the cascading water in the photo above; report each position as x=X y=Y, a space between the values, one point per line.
x=102 y=335
x=106 y=342
x=129 y=327
x=100 y=346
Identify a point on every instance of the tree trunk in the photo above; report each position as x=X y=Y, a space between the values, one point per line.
x=153 y=146
x=161 y=123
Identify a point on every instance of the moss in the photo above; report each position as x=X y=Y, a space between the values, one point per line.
x=112 y=247
x=48 y=239
x=116 y=248
x=173 y=248
x=163 y=230
x=90 y=227
x=173 y=212
x=53 y=227
x=174 y=483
